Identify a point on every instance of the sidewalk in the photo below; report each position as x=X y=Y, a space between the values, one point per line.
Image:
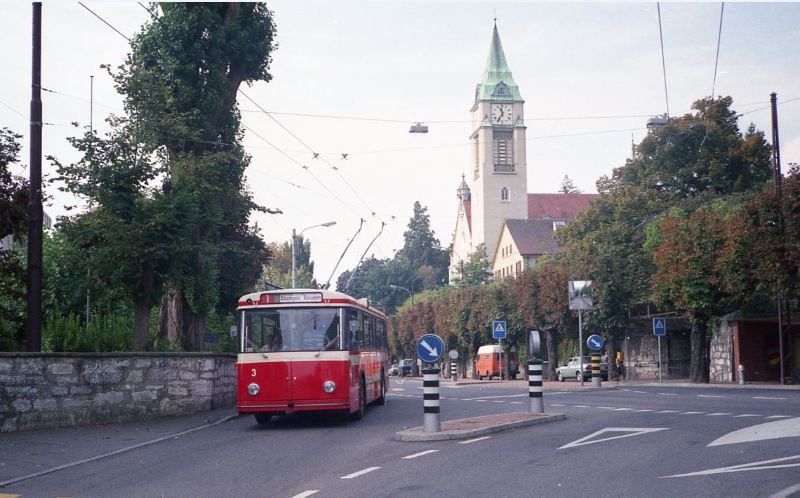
x=28 y=454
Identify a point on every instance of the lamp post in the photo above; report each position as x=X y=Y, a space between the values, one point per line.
x=294 y=248
x=398 y=287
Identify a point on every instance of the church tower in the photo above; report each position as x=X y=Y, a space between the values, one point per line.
x=499 y=170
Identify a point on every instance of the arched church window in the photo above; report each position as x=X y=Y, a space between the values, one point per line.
x=504 y=194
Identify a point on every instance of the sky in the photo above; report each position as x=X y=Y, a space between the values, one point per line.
x=350 y=77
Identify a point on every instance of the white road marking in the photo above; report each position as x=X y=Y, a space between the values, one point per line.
x=746 y=415
x=692 y=413
x=640 y=392
x=495 y=397
x=766 y=397
x=468 y=441
x=306 y=493
x=359 y=473
x=421 y=453
x=644 y=410
x=668 y=394
x=709 y=396
x=629 y=431
x=623 y=409
x=779 y=416
x=718 y=414
x=786 y=493
x=777 y=429
x=744 y=467
x=581 y=406
x=556 y=404
x=668 y=411
x=498 y=401
x=515 y=402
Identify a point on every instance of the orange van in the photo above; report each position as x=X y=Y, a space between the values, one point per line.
x=491 y=362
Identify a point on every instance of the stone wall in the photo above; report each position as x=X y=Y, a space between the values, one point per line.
x=721 y=354
x=45 y=390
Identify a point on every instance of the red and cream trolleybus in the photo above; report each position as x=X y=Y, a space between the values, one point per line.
x=308 y=350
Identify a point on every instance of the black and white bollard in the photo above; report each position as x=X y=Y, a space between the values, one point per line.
x=535 y=385
x=596 y=374
x=454 y=371
x=430 y=400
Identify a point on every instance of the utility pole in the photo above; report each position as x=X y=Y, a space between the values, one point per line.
x=777 y=178
x=34 y=282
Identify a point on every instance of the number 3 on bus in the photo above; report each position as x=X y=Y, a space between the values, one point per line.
x=309 y=350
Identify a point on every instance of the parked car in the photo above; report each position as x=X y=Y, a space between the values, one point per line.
x=491 y=362
x=572 y=369
x=394 y=369
x=406 y=367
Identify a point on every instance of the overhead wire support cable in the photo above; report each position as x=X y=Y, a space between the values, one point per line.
x=716 y=60
x=663 y=61
x=104 y=21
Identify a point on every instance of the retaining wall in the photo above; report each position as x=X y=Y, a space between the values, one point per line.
x=46 y=390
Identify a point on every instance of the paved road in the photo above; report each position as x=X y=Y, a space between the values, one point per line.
x=633 y=441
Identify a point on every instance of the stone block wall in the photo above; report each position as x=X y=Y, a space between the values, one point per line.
x=45 y=390
x=721 y=354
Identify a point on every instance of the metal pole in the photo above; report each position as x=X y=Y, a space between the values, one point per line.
x=454 y=370
x=294 y=259
x=659 y=359
x=580 y=342
x=535 y=391
x=777 y=178
x=430 y=400
x=34 y=280
x=502 y=369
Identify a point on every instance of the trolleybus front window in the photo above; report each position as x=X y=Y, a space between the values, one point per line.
x=291 y=329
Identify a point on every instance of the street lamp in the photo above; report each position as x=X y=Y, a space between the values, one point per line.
x=294 y=248
x=410 y=294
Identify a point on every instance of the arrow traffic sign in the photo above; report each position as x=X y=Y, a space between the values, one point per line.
x=595 y=342
x=659 y=326
x=430 y=348
x=499 y=329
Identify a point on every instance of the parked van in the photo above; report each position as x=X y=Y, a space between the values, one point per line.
x=491 y=362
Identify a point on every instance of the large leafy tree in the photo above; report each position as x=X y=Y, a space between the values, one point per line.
x=697 y=157
x=423 y=251
x=13 y=223
x=278 y=271
x=180 y=84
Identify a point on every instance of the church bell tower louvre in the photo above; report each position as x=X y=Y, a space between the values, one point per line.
x=499 y=179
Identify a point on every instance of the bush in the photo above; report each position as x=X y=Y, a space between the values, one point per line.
x=104 y=333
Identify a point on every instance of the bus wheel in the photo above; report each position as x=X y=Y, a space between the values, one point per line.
x=382 y=398
x=362 y=398
x=263 y=417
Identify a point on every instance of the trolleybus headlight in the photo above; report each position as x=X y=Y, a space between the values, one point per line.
x=253 y=389
x=329 y=386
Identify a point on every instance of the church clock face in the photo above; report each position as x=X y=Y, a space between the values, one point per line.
x=501 y=114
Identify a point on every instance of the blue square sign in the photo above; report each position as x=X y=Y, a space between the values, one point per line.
x=660 y=326
x=499 y=329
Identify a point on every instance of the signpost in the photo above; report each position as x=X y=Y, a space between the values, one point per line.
x=659 y=329
x=430 y=349
x=499 y=332
x=579 y=293
x=595 y=342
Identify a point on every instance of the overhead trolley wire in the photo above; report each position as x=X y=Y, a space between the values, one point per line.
x=663 y=61
x=716 y=60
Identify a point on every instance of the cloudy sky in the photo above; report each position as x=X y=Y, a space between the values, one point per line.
x=351 y=77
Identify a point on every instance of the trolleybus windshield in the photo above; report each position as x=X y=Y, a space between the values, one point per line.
x=291 y=329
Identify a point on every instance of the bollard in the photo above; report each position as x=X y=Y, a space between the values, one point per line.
x=454 y=371
x=535 y=385
x=430 y=400
x=740 y=370
x=596 y=374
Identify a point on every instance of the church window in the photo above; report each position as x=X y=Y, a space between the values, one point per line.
x=504 y=194
x=503 y=152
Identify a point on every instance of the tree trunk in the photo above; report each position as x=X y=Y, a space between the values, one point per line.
x=699 y=354
x=141 y=324
x=194 y=329
x=551 y=337
x=611 y=354
x=170 y=317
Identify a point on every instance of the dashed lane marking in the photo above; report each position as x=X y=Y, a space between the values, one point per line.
x=668 y=394
x=766 y=397
x=779 y=416
x=469 y=441
x=300 y=495
x=496 y=397
x=709 y=396
x=556 y=404
x=668 y=411
x=359 y=473
x=747 y=415
x=421 y=453
x=717 y=414
x=692 y=413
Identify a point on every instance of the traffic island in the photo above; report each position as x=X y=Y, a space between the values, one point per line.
x=477 y=426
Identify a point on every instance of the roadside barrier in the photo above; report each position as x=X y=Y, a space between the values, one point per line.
x=596 y=374
x=535 y=391
x=430 y=400
x=454 y=371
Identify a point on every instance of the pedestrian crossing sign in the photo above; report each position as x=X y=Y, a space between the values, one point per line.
x=499 y=329
x=660 y=326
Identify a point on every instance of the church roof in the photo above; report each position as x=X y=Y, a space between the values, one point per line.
x=497 y=82
x=558 y=206
x=533 y=237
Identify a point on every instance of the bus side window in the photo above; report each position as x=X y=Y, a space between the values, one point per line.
x=356 y=326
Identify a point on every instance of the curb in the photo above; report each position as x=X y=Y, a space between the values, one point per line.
x=417 y=433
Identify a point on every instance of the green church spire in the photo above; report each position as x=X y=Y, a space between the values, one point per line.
x=497 y=82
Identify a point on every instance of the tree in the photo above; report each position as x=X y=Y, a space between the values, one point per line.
x=422 y=249
x=568 y=187
x=476 y=269
x=180 y=84
x=278 y=271
x=13 y=223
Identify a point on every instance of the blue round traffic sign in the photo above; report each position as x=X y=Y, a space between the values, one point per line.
x=430 y=348
x=595 y=342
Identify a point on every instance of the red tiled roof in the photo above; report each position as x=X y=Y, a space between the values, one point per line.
x=558 y=206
